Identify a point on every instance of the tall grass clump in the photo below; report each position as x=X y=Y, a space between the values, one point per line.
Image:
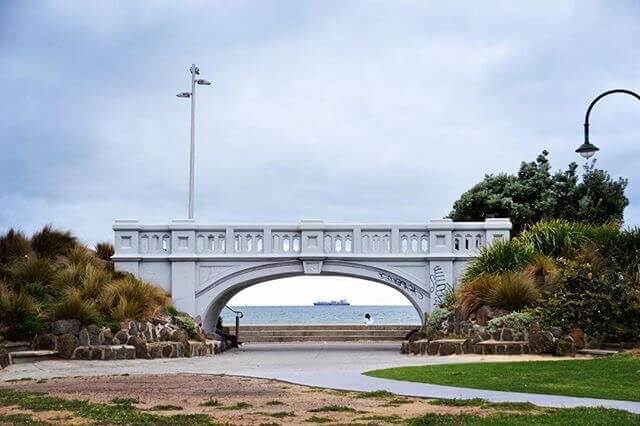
x=19 y=312
x=88 y=279
x=72 y=305
x=13 y=245
x=501 y=256
x=51 y=243
x=513 y=291
x=32 y=269
x=129 y=297
x=104 y=251
x=557 y=237
x=475 y=292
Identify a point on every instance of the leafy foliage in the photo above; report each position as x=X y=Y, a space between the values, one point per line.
x=50 y=243
x=606 y=305
x=534 y=194
x=519 y=322
x=434 y=322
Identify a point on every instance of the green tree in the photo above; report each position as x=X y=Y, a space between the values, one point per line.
x=534 y=193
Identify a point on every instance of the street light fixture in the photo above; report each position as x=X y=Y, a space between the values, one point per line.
x=194 y=72
x=587 y=149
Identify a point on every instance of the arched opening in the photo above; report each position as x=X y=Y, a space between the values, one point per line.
x=214 y=295
x=295 y=301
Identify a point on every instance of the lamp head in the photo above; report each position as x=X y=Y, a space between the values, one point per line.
x=204 y=82
x=184 y=95
x=587 y=149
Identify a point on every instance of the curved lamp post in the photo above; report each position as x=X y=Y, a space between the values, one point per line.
x=587 y=149
x=192 y=94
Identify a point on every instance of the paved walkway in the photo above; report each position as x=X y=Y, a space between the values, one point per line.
x=330 y=365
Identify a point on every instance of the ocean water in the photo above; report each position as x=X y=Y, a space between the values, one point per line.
x=273 y=315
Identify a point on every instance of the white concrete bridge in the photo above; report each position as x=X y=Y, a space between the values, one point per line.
x=204 y=266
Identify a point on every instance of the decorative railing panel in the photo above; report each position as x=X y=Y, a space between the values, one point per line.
x=310 y=238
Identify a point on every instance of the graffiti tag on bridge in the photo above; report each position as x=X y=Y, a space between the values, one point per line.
x=399 y=282
x=439 y=285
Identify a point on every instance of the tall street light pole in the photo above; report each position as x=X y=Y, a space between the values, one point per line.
x=195 y=71
x=587 y=149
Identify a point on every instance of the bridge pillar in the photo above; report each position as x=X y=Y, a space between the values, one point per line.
x=183 y=266
x=441 y=264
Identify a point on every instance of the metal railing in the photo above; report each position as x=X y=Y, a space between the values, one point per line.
x=239 y=315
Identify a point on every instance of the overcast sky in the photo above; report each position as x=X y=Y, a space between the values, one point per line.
x=342 y=111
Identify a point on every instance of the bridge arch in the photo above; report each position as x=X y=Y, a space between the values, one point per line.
x=217 y=292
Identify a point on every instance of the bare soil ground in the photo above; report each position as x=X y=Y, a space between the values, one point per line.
x=239 y=400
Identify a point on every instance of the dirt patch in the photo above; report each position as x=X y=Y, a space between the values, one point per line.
x=50 y=417
x=236 y=400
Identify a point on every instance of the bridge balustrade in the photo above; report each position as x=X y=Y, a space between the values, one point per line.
x=308 y=237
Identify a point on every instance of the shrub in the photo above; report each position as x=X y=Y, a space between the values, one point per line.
x=104 y=251
x=605 y=305
x=557 y=236
x=33 y=269
x=434 y=322
x=501 y=256
x=474 y=293
x=50 y=243
x=13 y=245
x=72 y=305
x=518 y=322
x=171 y=310
x=132 y=298
x=450 y=298
x=189 y=325
x=624 y=251
x=17 y=311
x=513 y=291
x=30 y=326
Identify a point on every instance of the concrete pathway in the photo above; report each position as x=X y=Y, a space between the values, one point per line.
x=329 y=365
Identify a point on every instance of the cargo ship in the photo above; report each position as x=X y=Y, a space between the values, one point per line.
x=341 y=302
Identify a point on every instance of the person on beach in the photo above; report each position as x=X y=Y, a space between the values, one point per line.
x=368 y=320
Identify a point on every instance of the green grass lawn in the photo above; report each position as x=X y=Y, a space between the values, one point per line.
x=617 y=377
